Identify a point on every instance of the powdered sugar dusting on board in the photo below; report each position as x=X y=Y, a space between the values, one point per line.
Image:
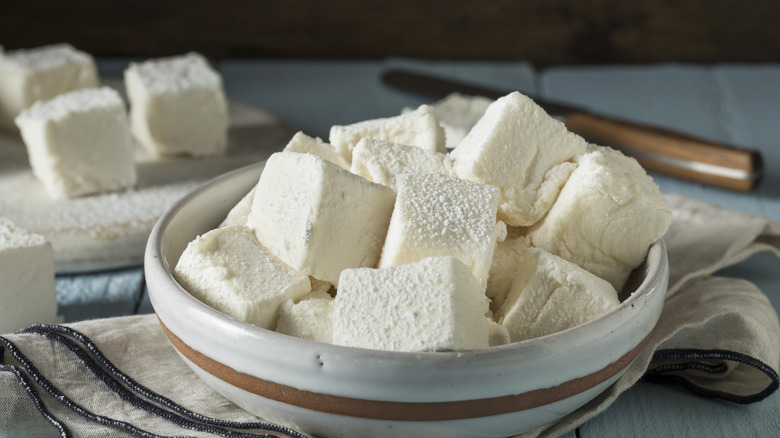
x=110 y=230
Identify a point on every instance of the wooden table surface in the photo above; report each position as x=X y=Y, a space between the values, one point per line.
x=735 y=104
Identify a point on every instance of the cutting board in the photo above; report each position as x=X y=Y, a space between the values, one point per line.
x=110 y=230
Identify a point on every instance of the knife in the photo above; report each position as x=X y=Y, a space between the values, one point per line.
x=656 y=149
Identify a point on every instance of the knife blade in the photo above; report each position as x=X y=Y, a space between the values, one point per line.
x=657 y=149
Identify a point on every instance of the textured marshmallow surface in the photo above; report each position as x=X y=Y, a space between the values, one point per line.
x=457 y=114
x=431 y=305
x=13 y=236
x=79 y=142
x=499 y=335
x=440 y=215
x=310 y=318
x=317 y=217
x=416 y=128
x=177 y=106
x=520 y=149
x=239 y=214
x=28 y=295
x=506 y=259
x=229 y=270
x=550 y=294
x=314 y=145
x=606 y=216
x=381 y=162
x=31 y=75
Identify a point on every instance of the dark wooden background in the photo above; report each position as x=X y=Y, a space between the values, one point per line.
x=545 y=32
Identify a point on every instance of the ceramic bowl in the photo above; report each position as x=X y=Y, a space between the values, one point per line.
x=335 y=391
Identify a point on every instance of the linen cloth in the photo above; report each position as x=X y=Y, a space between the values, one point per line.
x=119 y=377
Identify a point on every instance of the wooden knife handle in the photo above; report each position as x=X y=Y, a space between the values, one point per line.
x=672 y=153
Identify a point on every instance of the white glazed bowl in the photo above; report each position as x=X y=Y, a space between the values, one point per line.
x=331 y=391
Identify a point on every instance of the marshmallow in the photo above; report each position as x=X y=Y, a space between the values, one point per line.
x=506 y=259
x=314 y=145
x=239 y=214
x=439 y=215
x=416 y=128
x=380 y=162
x=310 y=318
x=28 y=295
x=229 y=270
x=42 y=73
x=457 y=114
x=431 y=305
x=518 y=148
x=177 y=106
x=606 y=216
x=550 y=294
x=499 y=335
x=317 y=217
x=79 y=142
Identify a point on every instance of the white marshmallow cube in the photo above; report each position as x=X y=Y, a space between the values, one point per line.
x=457 y=114
x=177 y=106
x=79 y=142
x=28 y=294
x=239 y=214
x=416 y=128
x=314 y=145
x=42 y=73
x=229 y=270
x=550 y=294
x=317 y=217
x=606 y=216
x=438 y=216
x=520 y=149
x=432 y=305
x=309 y=318
x=380 y=162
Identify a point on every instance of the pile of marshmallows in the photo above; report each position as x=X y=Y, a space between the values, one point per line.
x=77 y=133
x=381 y=239
x=78 y=140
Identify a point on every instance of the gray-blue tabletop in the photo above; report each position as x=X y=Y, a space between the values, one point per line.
x=734 y=104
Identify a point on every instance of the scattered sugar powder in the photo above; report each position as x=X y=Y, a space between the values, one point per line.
x=23 y=200
x=13 y=236
x=79 y=101
x=177 y=73
x=44 y=58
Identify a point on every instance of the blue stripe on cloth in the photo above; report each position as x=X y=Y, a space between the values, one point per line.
x=124 y=387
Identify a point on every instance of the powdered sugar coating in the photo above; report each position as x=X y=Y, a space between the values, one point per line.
x=177 y=106
x=79 y=101
x=176 y=74
x=381 y=162
x=45 y=57
x=439 y=215
x=14 y=236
